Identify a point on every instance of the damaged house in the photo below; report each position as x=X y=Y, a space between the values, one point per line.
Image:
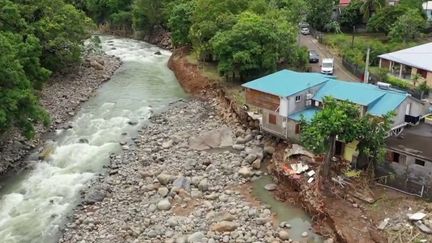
x=284 y=97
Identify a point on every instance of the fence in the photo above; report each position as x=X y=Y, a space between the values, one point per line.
x=404 y=185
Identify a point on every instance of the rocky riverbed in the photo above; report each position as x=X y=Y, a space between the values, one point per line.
x=182 y=180
x=61 y=96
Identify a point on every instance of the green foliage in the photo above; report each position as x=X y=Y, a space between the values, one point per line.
x=337 y=118
x=18 y=104
x=369 y=6
x=351 y=15
x=343 y=119
x=254 y=45
x=36 y=38
x=384 y=19
x=180 y=22
x=147 y=14
x=319 y=13
x=408 y=26
x=398 y=82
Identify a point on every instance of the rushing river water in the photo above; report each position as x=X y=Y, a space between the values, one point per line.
x=34 y=204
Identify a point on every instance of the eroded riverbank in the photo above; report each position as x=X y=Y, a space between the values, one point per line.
x=162 y=189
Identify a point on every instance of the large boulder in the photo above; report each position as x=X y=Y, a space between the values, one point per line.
x=164 y=204
x=219 y=138
x=224 y=226
x=245 y=172
x=197 y=237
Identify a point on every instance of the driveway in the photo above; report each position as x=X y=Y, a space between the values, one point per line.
x=340 y=72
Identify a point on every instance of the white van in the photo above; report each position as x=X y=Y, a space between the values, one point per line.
x=327 y=66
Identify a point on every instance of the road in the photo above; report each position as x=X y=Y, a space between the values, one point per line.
x=340 y=72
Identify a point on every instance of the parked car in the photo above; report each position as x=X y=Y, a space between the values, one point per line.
x=313 y=56
x=305 y=31
x=327 y=66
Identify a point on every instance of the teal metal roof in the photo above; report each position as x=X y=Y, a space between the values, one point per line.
x=387 y=103
x=378 y=101
x=286 y=83
x=308 y=114
x=358 y=93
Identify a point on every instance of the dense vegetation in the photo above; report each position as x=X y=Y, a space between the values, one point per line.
x=246 y=38
x=37 y=38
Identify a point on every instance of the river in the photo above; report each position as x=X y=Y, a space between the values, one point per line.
x=34 y=204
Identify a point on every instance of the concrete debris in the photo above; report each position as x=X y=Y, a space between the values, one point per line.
x=423 y=227
x=300 y=167
x=310 y=180
x=311 y=173
x=297 y=150
x=383 y=224
x=417 y=216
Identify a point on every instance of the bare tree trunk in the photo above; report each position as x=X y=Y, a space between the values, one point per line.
x=325 y=171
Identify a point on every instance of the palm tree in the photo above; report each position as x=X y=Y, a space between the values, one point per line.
x=369 y=6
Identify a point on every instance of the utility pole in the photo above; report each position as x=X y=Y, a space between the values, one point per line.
x=366 y=74
x=352 y=41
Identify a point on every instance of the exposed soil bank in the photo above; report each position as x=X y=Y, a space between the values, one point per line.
x=61 y=96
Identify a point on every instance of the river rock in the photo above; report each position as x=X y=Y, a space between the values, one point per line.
x=224 y=226
x=245 y=172
x=158 y=53
x=163 y=191
x=238 y=147
x=85 y=140
x=96 y=65
x=256 y=164
x=167 y=144
x=250 y=158
x=197 y=237
x=283 y=235
x=164 y=179
x=269 y=149
x=270 y=187
x=182 y=182
x=305 y=234
x=164 y=204
x=203 y=185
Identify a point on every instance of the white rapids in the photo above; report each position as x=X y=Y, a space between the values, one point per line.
x=34 y=204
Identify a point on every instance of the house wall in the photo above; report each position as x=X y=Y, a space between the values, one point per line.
x=429 y=79
x=262 y=100
x=277 y=129
x=350 y=151
x=417 y=109
x=407 y=167
x=291 y=131
x=294 y=106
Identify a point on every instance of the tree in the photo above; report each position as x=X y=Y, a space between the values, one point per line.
x=254 y=45
x=371 y=135
x=337 y=118
x=407 y=26
x=370 y=6
x=180 y=22
x=19 y=106
x=423 y=88
x=384 y=19
x=147 y=14
x=351 y=15
x=211 y=17
x=319 y=13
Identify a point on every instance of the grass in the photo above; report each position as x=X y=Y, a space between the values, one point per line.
x=210 y=71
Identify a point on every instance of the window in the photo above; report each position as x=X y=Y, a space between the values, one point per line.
x=298 y=98
x=272 y=119
x=396 y=157
x=419 y=162
x=297 y=129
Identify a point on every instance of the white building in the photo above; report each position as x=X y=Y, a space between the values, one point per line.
x=427 y=7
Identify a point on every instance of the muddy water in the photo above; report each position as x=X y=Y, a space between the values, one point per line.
x=34 y=204
x=296 y=217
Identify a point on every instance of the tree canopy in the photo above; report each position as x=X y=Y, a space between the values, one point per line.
x=36 y=38
x=343 y=120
